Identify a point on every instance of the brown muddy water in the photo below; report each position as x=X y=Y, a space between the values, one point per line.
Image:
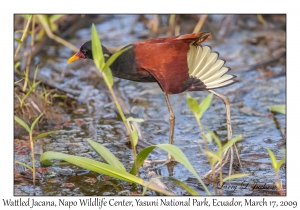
x=243 y=42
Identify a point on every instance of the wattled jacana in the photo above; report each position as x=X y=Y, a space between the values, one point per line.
x=177 y=64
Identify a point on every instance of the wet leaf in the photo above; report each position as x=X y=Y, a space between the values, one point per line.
x=92 y=165
x=97 y=49
x=21 y=122
x=107 y=155
x=278 y=108
x=99 y=167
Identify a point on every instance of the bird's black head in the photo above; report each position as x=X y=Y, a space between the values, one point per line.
x=85 y=51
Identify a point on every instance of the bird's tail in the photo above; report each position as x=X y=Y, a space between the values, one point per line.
x=204 y=65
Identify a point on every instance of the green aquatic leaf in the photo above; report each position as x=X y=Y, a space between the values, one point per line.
x=107 y=155
x=21 y=122
x=278 y=108
x=97 y=49
x=174 y=152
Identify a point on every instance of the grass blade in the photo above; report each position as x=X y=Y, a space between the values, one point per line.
x=115 y=56
x=35 y=121
x=134 y=135
x=18 y=40
x=109 y=76
x=193 y=105
x=21 y=122
x=231 y=142
x=273 y=159
x=215 y=157
x=141 y=157
x=42 y=135
x=107 y=155
x=205 y=104
x=92 y=165
x=99 y=168
x=97 y=49
x=25 y=165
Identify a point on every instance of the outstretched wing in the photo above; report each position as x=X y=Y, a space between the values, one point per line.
x=166 y=59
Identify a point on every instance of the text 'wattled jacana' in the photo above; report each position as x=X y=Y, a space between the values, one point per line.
x=177 y=64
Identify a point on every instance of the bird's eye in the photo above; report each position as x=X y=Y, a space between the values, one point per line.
x=83 y=51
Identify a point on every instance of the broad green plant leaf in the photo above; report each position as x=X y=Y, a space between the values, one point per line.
x=278 y=108
x=92 y=165
x=98 y=57
x=173 y=151
x=98 y=167
x=21 y=122
x=199 y=110
x=97 y=49
x=234 y=176
x=107 y=155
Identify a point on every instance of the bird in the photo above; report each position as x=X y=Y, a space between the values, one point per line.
x=177 y=63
